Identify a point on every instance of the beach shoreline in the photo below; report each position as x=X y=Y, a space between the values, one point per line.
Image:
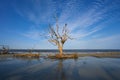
x=80 y=54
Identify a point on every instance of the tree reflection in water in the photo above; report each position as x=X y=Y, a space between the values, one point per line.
x=84 y=68
x=61 y=72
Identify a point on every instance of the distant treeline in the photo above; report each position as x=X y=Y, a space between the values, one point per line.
x=65 y=50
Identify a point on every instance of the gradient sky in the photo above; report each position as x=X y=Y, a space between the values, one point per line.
x=95 y=24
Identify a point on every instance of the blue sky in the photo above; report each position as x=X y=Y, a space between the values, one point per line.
x=95 y=24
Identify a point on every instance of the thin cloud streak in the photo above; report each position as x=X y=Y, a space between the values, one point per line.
x=81 y=24
x=37 y=11
x=108 y=42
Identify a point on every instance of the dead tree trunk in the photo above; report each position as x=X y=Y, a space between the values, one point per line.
x=60 y=48
x=58 y=38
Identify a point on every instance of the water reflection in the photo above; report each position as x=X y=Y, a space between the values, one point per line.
x=60 y=71
x=84 y=68
x=28 y=60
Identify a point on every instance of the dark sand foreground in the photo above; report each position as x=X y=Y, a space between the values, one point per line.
x=43 y=68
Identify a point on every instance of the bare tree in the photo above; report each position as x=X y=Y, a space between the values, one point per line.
x=58 y=38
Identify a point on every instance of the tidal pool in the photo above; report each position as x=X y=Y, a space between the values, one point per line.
x=83 y=68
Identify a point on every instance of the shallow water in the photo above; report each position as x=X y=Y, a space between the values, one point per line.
x=83 y=68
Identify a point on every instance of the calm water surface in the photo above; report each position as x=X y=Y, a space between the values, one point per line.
x=83 y=68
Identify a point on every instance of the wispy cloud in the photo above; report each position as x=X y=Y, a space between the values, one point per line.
x=106 y=42
x=83 y=19
x=36 y=11
x=83 y=33
x=32 y=33
x=81 y=24
x=89 y=21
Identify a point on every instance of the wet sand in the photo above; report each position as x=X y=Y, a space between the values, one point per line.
x=83 y=68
